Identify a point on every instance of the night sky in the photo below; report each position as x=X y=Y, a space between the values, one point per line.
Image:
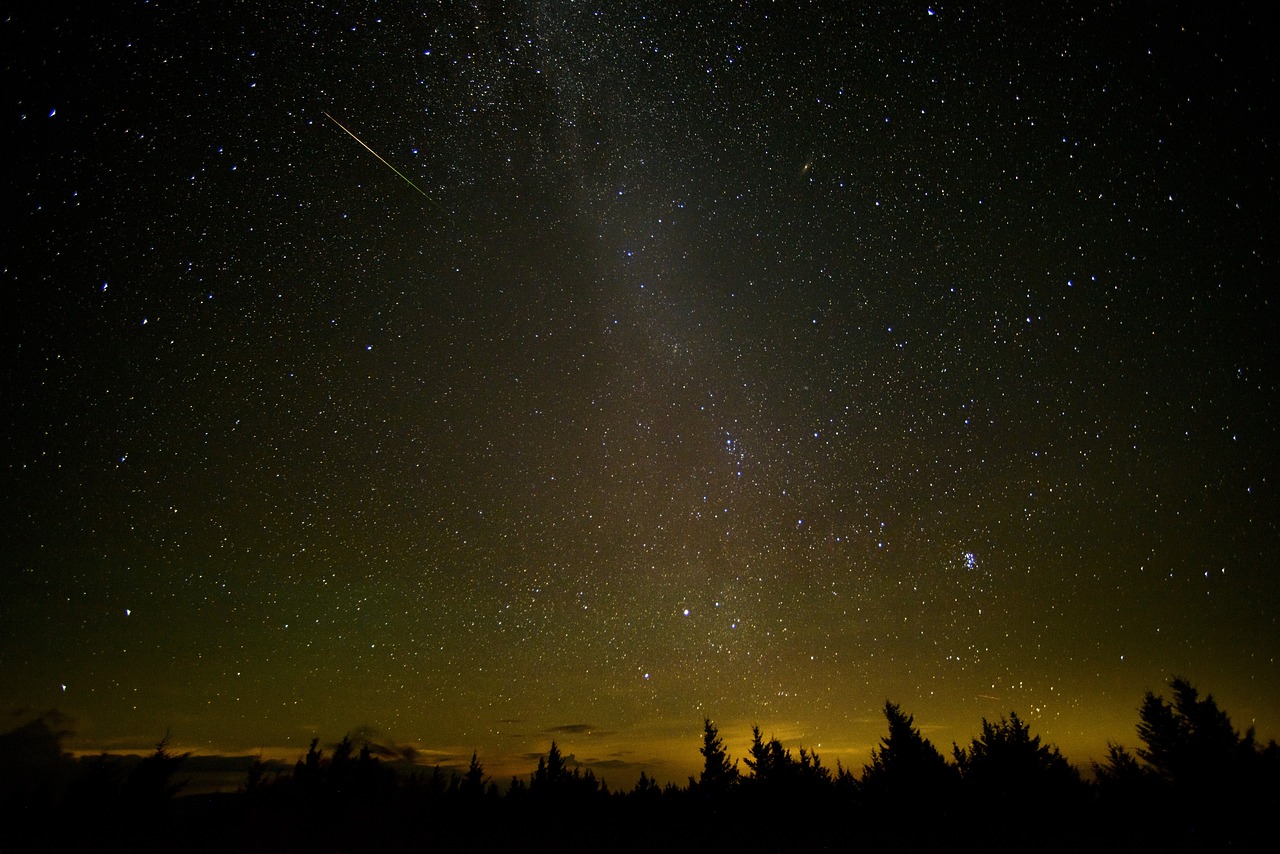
x=759 y=361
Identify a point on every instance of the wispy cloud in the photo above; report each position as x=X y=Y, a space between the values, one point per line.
x=578 y=729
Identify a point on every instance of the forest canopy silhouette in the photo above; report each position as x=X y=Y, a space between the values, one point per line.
x=1191 y=781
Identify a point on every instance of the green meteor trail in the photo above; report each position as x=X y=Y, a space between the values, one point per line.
x=380 y=157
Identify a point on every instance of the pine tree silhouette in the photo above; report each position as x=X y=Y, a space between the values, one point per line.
x=473 y=780
x=150 y=785
x=646 y=789
x=1211 y=773
x=718 y=774
x=1008 y=763
x=907 y=772
x=551 y=773
x=1190 y=742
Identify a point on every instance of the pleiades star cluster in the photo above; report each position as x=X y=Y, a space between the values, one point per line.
x=468 y=375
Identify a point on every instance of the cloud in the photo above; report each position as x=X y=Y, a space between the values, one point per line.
x=611 y=765
x=578 y=729
x=386 y=748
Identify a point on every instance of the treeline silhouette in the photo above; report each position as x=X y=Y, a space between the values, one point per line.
x=1194 y=784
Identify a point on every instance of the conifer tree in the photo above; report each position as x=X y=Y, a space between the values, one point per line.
x=906 y=770
x=718 y=774
x=473 y=780
x=1007 y=760
x=1189 y=739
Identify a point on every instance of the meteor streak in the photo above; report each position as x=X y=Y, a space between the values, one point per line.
x=379 y=156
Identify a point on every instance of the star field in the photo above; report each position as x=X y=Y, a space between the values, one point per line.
x=759 y=361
